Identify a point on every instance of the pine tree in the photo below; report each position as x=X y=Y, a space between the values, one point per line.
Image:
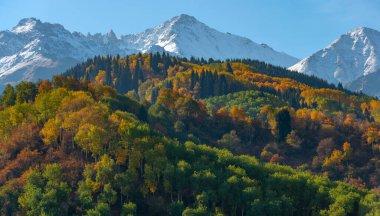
x=283 y=124
x=123 y=83
x=192 y=80
x=340 y=86
x=136 y=76
x=229 y=68
x=202 y=84
x=154 y=94
x=197 y=90
x=9 y=96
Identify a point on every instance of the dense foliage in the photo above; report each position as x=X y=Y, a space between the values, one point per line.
x=250 y=101
x=322 y=116
x=74 y=145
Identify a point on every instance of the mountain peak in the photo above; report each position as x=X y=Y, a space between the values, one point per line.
x=26 y=25
x=111 y=34
x=351 y=56
x=183 y=19
x=30 y=20
x=363 y=31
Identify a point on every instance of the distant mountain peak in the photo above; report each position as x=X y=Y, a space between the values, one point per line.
x=362 y=30
x=351 y=56
x=26 y=25
x=181 y=21
x=35 y=26
x=111 y=35
x=30 y=20
x=184 y=35
x=184 y=18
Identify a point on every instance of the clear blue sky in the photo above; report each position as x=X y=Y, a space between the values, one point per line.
x=298 y=27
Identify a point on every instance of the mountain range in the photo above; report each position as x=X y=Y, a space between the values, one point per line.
x=353 y=60
x=35 y=50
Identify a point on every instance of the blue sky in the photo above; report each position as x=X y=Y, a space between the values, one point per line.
x=297 y=27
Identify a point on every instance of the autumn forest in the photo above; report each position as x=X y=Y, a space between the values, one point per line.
x=153 y=134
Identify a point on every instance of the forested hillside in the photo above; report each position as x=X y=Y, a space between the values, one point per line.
x=158 y=135
x=245 y=99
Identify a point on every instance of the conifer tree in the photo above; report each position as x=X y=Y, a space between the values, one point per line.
x=8 y=97
x=229 y=68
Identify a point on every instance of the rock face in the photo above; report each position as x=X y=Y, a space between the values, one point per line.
x=35 y=50
x=347 y=60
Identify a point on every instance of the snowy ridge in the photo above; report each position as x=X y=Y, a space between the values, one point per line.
x=348 y=58
x=186 y=36
x=35 y=50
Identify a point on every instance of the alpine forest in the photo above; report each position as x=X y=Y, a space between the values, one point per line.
x=157 y=134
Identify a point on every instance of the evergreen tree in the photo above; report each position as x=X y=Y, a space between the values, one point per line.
x=229 y=68
x=140 y=71
x=136 y=76
x=192 y=80
x=26 y=92
x=154 y=94
x=124 y=81
x=8 y=97
x=202 y=84
x=223 y=85
x=340 y=86
x=283 y=124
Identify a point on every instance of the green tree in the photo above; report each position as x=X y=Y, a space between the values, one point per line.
x=229 y=68
x=45 y=194
x=26 y=92
x=104 y=170
x=92 y=138
x=85 y=195
x=9 y=193
x=293 y=140
x=176 y=208
x=8 y=97
x=283 y=124
x=230 y=140
x=48 y=103
x=129 y=209
x=179 y=126
x=101 y=209
x=108 y=195
x=126 y=182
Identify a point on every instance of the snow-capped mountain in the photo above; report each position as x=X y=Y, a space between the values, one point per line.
x=186 y=36
x=348 y=58
x=35 y=50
